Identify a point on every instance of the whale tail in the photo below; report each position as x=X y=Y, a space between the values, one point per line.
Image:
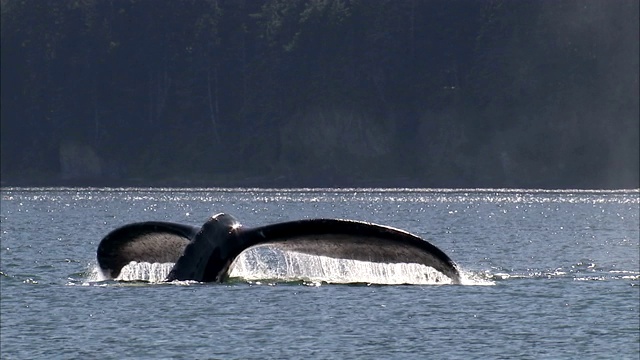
x=354 y=240
x=206 y=253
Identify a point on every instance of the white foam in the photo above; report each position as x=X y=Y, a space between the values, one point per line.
x=95 y=274
x=476 y=278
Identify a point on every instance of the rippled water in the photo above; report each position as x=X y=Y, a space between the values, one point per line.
x=562 y=269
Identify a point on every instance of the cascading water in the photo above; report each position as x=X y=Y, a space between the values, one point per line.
x=272 y=264
x=142 y=271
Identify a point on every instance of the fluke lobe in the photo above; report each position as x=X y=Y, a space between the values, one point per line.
x=205 y=253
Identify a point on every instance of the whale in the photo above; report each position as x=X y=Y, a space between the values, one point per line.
x=205 y=253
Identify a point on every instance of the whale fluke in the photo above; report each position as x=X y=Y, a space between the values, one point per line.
x=206 y=253
x=152 y=242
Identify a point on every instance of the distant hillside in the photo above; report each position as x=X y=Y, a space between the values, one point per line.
x=539 y=94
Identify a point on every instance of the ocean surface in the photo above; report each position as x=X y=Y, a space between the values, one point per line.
x=547 y=275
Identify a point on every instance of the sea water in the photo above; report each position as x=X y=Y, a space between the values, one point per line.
x=559 y=275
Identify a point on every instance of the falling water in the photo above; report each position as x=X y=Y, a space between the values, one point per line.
x=275 y=265
x=143 y=271
x=272 y=264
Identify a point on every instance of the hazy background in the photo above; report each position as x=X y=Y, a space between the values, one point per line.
x=444 y=93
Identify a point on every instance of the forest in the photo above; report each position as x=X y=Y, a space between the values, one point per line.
x=320 y=93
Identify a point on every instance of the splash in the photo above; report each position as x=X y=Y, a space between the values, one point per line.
x=272 y=264
x=143 y=271
x=95 y=274
x=476 y=278
x=284 y=266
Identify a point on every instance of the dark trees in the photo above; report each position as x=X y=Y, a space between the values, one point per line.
x=325 y=93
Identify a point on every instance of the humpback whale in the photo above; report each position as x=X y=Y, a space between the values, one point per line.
x=205 y=253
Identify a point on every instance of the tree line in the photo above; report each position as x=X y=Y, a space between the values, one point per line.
x=320 y=93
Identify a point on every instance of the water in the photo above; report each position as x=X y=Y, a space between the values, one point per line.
x=547 y=275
